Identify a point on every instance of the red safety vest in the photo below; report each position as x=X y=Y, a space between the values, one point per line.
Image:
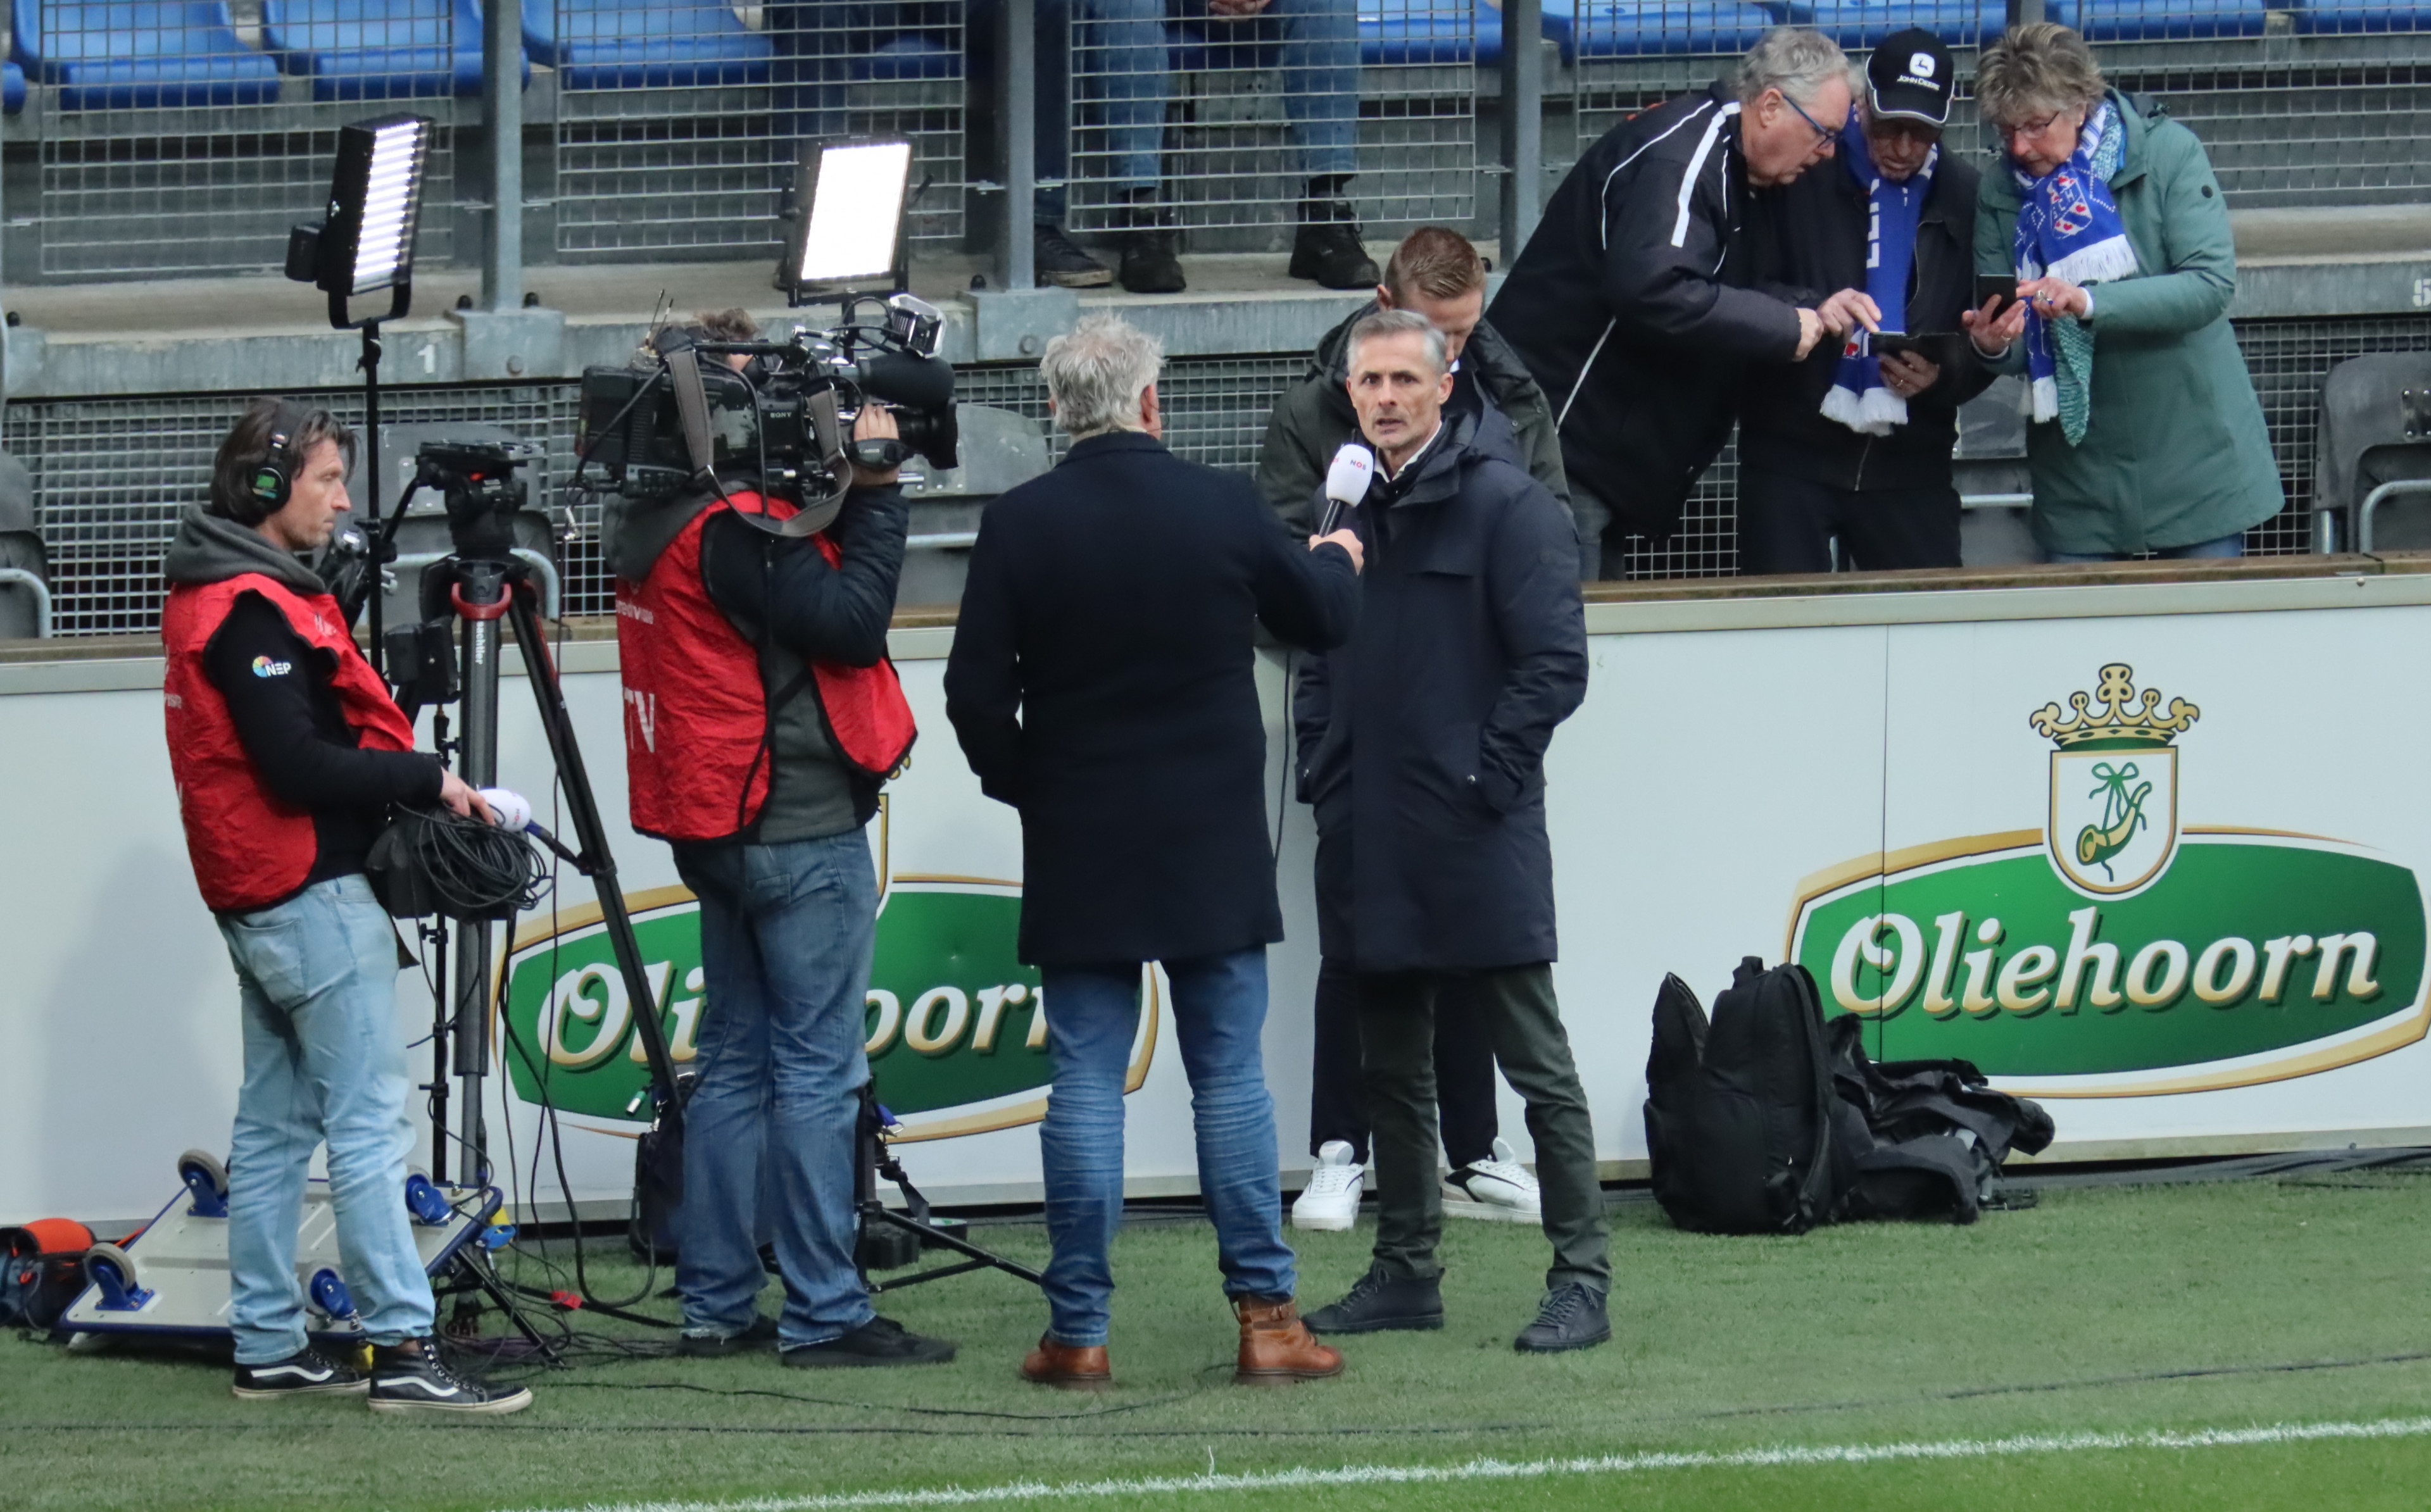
x=697 y=713
x=249 y=849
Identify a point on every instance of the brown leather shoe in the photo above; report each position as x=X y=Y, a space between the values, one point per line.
x=1276 y=1347
x=1073 y=1367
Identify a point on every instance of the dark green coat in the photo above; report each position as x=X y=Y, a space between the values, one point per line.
x=2175 y=449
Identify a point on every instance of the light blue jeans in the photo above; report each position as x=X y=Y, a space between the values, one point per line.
x=786 y=933
x=1219 y=1006
x=2202 y=550
x=1114 y=53
x=323 y=1060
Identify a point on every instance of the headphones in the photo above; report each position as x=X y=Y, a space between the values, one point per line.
x=272 y=482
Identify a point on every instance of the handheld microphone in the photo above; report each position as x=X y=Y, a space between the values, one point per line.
x=1345 y=482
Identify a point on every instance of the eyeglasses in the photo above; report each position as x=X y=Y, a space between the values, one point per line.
x=1822 y=133
x=2029 y=130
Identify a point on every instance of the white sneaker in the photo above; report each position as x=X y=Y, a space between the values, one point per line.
x=1332 y=1201
x=1500 y=1187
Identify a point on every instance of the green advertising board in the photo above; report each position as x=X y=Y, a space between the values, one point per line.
x=2115 y=952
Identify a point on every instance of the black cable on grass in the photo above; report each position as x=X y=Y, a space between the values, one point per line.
x=882 y=1406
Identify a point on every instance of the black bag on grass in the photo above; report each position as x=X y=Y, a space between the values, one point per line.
x=1770 y=1120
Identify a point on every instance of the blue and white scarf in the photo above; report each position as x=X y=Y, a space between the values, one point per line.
x=1858 y=399
x=2069 y=227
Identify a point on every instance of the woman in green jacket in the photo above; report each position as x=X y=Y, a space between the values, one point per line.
x=2144 y=434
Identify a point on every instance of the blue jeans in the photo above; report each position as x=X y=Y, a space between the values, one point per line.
x=2232 y=545
x=323 y=1060
x=785 y=938
x=1219 y=1005
x=1116 y=51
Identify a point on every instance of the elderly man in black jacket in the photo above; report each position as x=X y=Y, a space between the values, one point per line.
x=1854 y=442
x=1635 y=305
x=1423 y=748
x=1102 y=682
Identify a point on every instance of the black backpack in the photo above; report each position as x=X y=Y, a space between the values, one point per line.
x=1770 y=1120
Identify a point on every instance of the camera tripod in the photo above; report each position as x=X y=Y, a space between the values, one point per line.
x=883 y=1229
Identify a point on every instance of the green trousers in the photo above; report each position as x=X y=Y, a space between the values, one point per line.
x=1396 y=1036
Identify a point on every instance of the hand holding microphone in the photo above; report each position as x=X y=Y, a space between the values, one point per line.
x=508 y=809
x=1346 y=484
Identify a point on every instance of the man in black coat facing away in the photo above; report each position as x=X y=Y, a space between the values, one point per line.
x=1636 y=304
x=1856 y=442
x=1423 y=749
x=1102 y=682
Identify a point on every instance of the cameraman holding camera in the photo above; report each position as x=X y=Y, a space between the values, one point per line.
x=761 y=718
x=288 y=752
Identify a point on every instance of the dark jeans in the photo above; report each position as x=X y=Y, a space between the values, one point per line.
x=1786 y=525
x=1337 y=1104
x=1397 y=1014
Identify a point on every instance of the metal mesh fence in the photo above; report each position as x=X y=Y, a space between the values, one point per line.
x=187 y=138
x=679 y=122
x=1230 y=113
x=111 y=474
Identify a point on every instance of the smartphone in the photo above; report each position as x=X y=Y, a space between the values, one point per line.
x=2000 y=286
x=1934 y=346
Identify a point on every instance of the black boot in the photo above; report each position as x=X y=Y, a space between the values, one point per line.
x=1572 y=1316
x=1151 y=264
x=1326 y=247
x=1376 y=1302
x=1062 y=264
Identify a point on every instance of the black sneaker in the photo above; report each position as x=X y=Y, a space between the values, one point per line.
x=1151 y=265
x=307 y=1372
x=1063 y=264
x=879 y=1341
x=1327 y=249
x=761 y=1333
x=1572 y=1316
x=411 y=1377
x=1376 y=1302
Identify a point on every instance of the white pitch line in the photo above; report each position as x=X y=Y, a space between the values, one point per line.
x=1498 y=1470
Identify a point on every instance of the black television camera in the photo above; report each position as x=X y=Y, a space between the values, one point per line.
x=785 y=417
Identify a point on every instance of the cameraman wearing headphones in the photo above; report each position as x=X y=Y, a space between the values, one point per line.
x=288 y=752
x=761 y=717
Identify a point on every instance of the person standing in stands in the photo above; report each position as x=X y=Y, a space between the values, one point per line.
x=1851 y=443
x=1103 y=684
x=1632 y=304
x=1437 y=273
x=289 y=753
x=2143 y=430
x=1113 y=54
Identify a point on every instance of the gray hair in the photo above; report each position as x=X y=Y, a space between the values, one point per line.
x=2034 y=71
x=1797 y=60
x=1097 y=373
x=1401 y=322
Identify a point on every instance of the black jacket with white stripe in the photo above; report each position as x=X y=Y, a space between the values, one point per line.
x=1632 y=307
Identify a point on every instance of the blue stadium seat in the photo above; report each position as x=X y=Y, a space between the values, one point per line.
x=377 y=49
x=2362 y=15
x=2119 y=20
x=1959 y=22
x=1437 y=31
x=635 y=45
x=111 y=55
x=1626 y=28
x=13 y=88
x=910 y=57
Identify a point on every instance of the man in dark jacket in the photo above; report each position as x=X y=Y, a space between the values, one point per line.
x=1632 y=304
x=1422 y=748
x=1851 y=443
x=761 y=716
x=289 y=752
x=1437 y=273
x=1102 y=682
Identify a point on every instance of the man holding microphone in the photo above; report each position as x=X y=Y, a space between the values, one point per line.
x=1422 y=748
x=1103 y=683
x=289 y=752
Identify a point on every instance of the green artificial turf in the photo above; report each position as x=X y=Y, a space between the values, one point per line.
x=2106 y=1310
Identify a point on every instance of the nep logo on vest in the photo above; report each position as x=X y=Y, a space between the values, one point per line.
x=954 y=1025
x=264 y=667
x=2118 y=951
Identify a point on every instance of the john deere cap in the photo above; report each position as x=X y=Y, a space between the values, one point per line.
x=1911 y=77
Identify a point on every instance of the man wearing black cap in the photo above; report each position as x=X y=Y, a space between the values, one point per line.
x=1855 y=442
